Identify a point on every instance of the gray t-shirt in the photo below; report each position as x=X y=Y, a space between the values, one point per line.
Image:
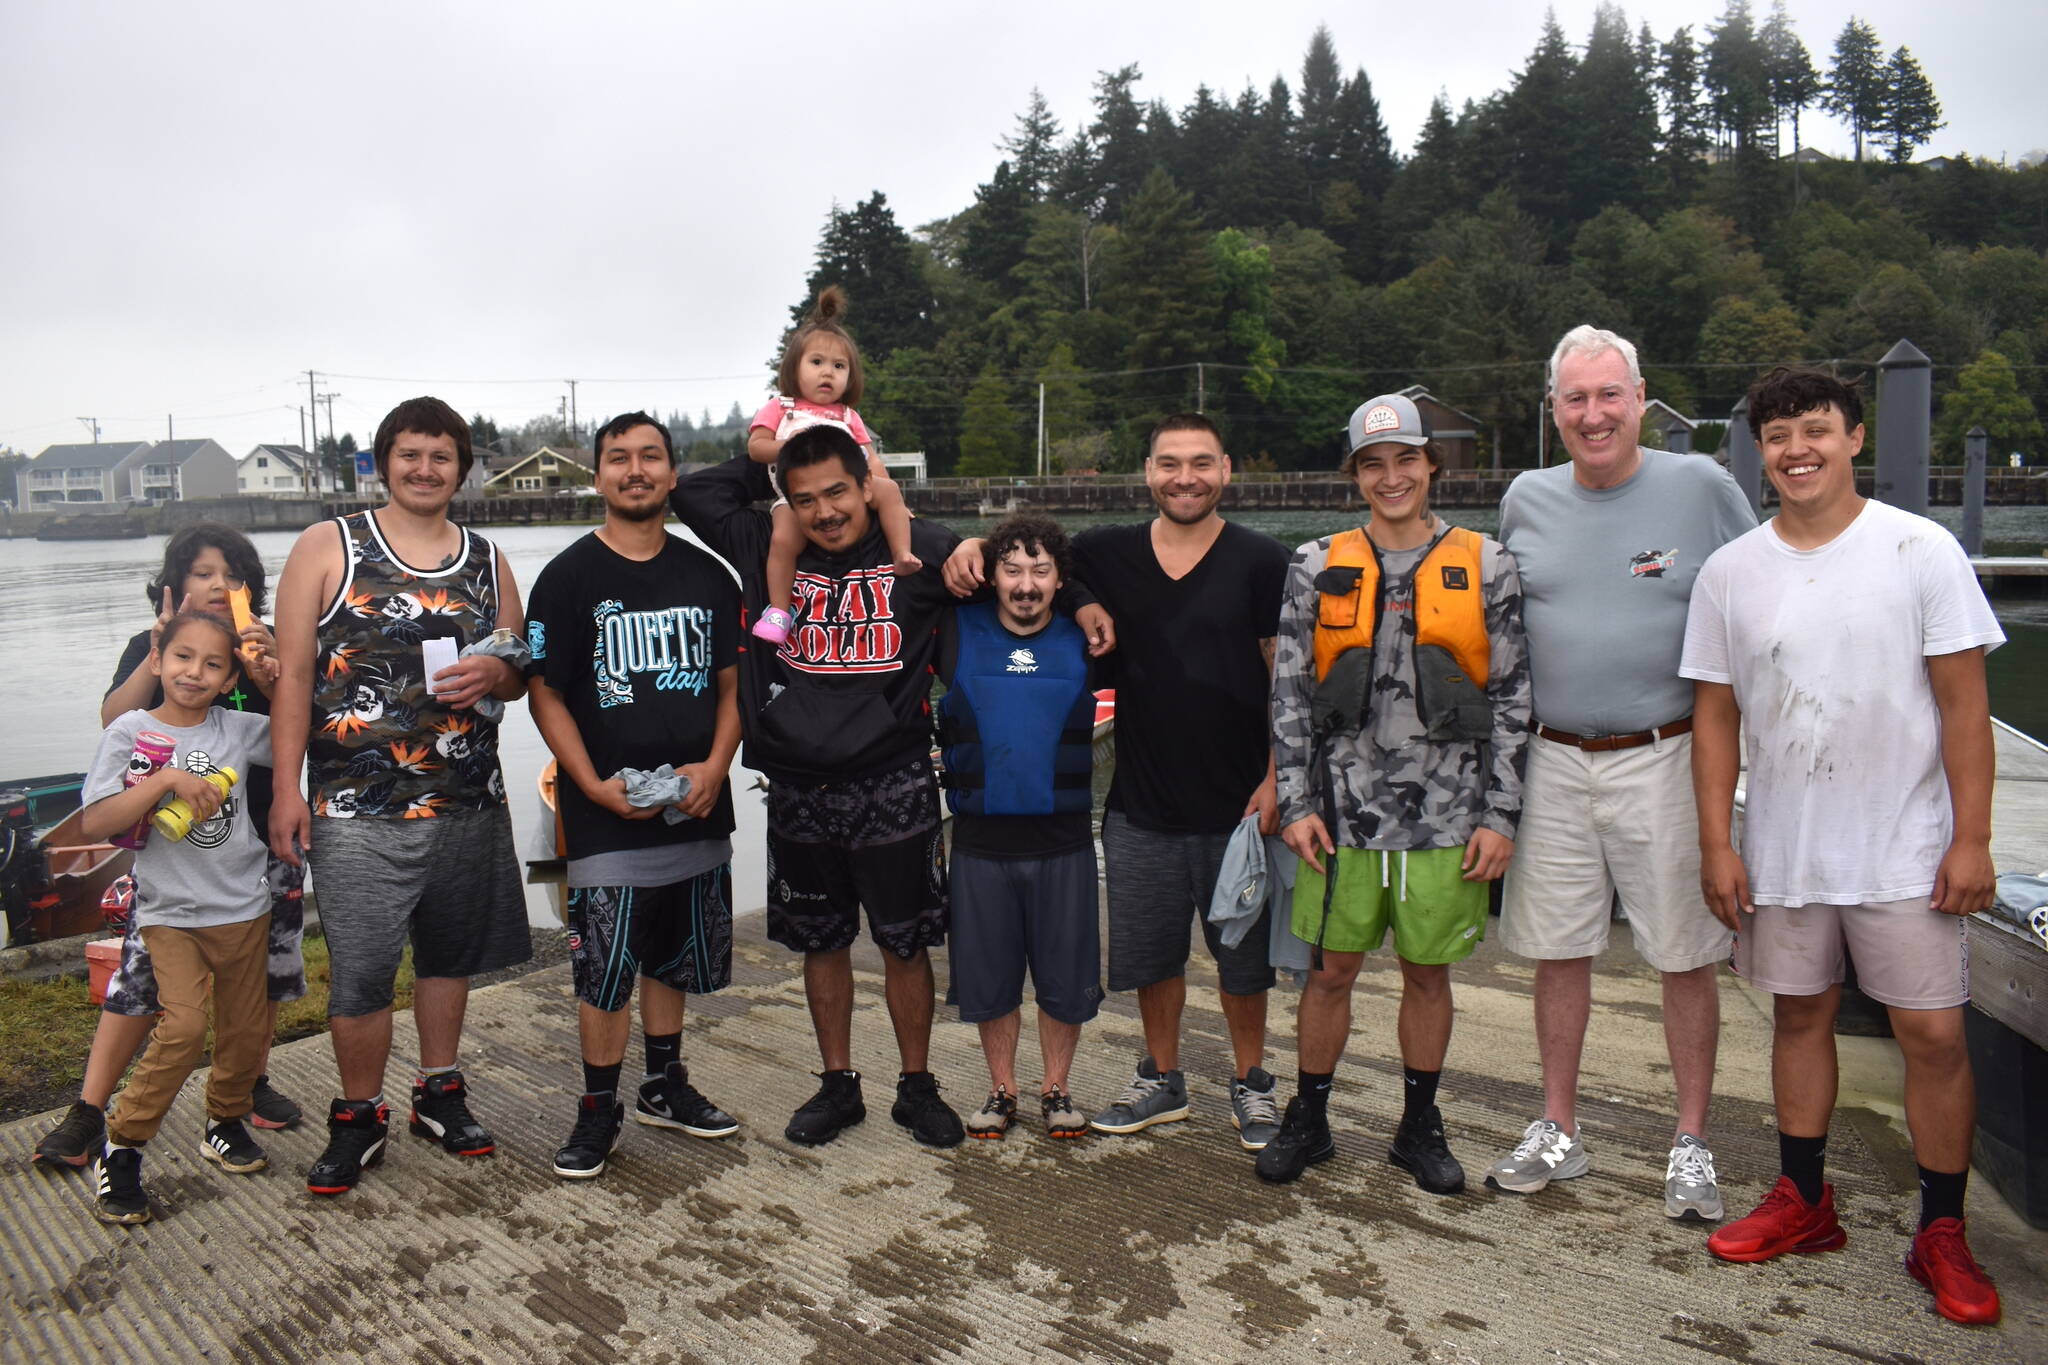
x=1606 y=577
x=215 y=874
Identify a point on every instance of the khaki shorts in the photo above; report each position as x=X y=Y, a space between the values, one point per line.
x=1906 y=954
x=1597 y=824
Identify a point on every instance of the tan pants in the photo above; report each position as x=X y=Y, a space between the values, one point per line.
x=233 y=961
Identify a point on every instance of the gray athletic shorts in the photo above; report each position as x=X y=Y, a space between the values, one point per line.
x=450 y=883
x=132 y=988
x=1009 y=913
x=1157 y=883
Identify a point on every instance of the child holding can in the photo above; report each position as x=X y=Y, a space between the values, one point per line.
x=202 y=905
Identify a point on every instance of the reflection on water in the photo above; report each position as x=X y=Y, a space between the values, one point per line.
x=67 y=610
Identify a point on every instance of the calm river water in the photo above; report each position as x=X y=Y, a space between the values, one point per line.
x=68 y=608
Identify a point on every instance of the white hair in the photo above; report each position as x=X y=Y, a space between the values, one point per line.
x=1588 y=340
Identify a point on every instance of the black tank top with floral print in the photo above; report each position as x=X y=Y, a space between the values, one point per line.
x=382 y=747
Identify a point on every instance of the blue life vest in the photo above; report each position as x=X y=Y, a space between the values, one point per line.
x=1016 y=727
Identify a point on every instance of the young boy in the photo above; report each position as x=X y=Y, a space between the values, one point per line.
x=202 y=907
x=1400 y=720
x=1851 y=637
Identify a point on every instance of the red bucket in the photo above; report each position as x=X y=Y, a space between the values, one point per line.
x=102 y=956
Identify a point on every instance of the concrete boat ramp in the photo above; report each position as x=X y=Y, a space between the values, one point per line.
x=1155 y=1248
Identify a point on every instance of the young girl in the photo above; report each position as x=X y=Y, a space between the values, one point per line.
x=202 y=904
x=820 y=381
x=201 y=564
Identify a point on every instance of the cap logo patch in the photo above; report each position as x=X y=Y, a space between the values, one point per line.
x=1381 y=418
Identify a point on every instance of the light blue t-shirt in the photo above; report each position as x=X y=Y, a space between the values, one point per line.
x=1606 y=577
x=215 y=874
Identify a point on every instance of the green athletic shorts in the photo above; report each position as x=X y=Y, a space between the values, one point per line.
x=1437 y=916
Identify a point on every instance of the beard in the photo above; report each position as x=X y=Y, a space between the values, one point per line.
x=651 y=512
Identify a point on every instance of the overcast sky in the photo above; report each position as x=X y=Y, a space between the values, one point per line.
x=201 y=200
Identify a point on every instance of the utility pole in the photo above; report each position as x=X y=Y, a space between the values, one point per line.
x=170 y=432
x=313 y=402
x=334 y=445
x=1042 y=471
x=1201 y=388
x=574 y=439
x=92 y=424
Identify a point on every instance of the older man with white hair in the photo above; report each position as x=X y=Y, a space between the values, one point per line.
x=1608 y=547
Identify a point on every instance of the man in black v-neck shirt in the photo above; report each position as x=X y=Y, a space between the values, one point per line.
x=1196 y=602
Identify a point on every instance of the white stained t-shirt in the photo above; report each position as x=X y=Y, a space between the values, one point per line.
x=1847 y=801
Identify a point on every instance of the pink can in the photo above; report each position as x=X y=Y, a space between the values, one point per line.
x=152 y=751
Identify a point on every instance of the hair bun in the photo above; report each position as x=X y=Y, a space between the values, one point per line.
x=831 y=304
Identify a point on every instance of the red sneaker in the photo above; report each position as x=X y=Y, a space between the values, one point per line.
x=1783 y=1222
x=1941 y=1260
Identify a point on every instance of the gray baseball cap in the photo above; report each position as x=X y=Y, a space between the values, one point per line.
x=1391 y=417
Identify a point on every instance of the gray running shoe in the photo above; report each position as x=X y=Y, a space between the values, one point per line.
x=1546 y=1153
x=1153 y=1096
x=1255 y=1108
x=1690 y=1189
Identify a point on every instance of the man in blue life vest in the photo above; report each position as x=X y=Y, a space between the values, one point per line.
x=1016 y=728
x=1400 y=721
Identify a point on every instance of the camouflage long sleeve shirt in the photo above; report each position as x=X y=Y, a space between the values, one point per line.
x=1398 y=790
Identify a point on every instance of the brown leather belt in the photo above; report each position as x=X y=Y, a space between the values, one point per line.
x=1595 y=744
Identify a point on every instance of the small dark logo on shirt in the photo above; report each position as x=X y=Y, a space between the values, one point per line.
x=1652 y=563
x=1454 y=578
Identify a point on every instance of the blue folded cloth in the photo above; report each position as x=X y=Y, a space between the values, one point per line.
x=499 y=644
x=663 y=787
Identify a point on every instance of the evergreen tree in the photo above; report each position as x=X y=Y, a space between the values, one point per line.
x=1267 y=185
x=1033 y=150
x=1428 y=187
x=1122 y=152
x=1737 y=80
x=1614 y=121
x=991 y=445
x=1069 y=406
x=1911 y=112
x=1203 y=150
x=1987 y=394
x=1162 y=283
x=1794 y=84
x=1536 y=114
x=865 y=253
x=1073 y=178
x=1321 y=121
x=999 y=229
x=1364 y=151
x=1685 y=120
x=1856 y=86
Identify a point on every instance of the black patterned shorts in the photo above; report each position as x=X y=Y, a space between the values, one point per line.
x=871 y=842
x=132 y=988
x=679 y=935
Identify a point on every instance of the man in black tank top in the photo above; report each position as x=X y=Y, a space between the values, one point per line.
x=407 y=830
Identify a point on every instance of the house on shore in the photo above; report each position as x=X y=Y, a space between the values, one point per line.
x=275 y=471
x=173 y=471
x=1454 y=433
x=93 y=473
x=546 y=470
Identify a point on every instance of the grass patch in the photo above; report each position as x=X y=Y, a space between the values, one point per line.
x=46 y=1027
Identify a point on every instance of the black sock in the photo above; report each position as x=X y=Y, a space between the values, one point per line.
x=1315 y=1090
x=1801 y=1159
x=1941 y=1194
x=663 y=1048
x=601 y=1080
x=1419 y=1092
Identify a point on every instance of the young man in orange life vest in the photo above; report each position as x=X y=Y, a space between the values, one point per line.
x=1400 y=720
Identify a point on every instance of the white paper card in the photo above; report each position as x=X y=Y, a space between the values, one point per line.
x=438 y=653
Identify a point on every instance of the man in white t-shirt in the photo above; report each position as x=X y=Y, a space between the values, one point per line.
x=1852 y=636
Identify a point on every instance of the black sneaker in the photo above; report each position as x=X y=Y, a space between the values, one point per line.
x=271 y=1108
x=599 y=1121
x=930 y=1119
x=121 y=1196
x=1419 y=1148
x=837 y=1106
x=1303 y=1140
x=355 y=1142
x=76 y=1140
x=670 y=1101
x=440 y=1111
x=228 y=1145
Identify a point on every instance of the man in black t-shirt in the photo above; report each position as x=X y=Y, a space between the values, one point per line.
x=634 y=634
x=1196 y=606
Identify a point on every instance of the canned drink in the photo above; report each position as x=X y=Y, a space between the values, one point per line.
x=174 y=820
x=152 y=751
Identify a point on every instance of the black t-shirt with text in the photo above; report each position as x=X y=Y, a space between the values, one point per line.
x=634 y=648
x=1191 y=682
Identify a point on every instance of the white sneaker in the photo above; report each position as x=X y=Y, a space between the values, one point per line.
x=1690 y=1189
x=1546 y=1153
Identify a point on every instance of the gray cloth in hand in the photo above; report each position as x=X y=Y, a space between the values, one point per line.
x=499 y=644
x=663 y=787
